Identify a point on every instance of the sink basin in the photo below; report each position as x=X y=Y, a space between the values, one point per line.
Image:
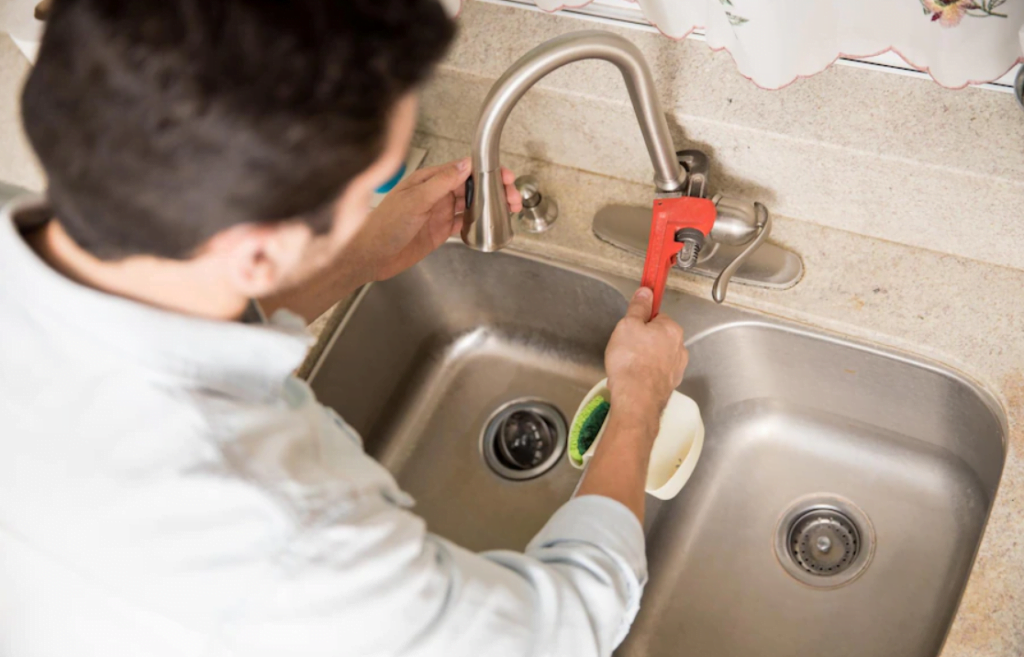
x=424 y=360
x=836 y=509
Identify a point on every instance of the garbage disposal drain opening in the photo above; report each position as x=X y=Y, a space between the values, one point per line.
x=524 y=439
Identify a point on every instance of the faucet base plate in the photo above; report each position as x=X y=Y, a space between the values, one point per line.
x=628 y=227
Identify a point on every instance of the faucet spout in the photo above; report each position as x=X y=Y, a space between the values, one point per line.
x=488 y=225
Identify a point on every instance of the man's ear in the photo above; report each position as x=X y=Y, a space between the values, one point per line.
x=258 y=259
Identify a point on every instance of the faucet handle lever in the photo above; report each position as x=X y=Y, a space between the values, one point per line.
x=751 y=228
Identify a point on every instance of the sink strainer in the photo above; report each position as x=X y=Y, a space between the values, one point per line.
x=524 y=439
x=824 y=541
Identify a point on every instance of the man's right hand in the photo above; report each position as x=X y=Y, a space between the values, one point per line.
x=645 y=359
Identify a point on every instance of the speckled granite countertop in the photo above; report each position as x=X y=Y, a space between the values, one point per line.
x=963 y=313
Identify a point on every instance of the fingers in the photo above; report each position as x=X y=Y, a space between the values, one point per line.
x=425 y=173
x=458 y=208
x=439 y=181
x=641 y=304
x=417 y=177
x=431 y=183
x=456 y=227
x=676 y=340
x=515 y=199
x=670 y=328
x=684 y=360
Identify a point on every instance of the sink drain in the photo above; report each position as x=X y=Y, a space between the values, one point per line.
x=524 y=439
x=824 y=541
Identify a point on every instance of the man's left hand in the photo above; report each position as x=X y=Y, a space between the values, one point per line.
x=422 y=212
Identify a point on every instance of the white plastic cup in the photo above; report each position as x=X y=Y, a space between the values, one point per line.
x=676 y=448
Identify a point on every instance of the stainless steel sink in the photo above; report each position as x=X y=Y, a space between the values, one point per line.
x=838 y=504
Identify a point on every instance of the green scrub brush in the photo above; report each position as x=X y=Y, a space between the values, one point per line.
x=586 y=427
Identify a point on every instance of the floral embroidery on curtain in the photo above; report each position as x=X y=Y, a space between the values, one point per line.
x=951 y=12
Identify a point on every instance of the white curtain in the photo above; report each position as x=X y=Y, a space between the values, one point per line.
x=774 y=42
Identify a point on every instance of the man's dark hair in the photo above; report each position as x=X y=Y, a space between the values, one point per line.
x=162 y=122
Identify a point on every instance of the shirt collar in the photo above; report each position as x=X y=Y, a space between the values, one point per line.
x=231 y=357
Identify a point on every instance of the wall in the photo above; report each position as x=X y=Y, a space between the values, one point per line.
x=17 y=163
x=882 y=155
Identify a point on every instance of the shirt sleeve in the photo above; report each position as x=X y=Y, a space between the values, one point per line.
x=372 y=581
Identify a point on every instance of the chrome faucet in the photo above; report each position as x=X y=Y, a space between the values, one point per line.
x=489 y=224
x=735 y=247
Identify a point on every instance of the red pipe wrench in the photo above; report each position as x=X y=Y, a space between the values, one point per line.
x=672 y=216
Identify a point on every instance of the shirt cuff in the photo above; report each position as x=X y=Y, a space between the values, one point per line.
x=599 y=521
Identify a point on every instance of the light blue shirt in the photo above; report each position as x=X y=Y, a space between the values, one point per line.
x=168 y=488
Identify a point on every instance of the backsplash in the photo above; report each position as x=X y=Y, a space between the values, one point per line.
x=887 y=156
x=17 y=163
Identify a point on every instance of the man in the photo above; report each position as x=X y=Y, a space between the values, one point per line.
x=166 y=487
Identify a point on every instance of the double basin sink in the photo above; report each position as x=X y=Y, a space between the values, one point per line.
x=836 y=509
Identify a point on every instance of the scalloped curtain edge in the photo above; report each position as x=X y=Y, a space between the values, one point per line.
x=455 y=9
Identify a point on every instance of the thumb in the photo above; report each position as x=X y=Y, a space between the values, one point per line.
x=641 y=305
x=448 y=178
